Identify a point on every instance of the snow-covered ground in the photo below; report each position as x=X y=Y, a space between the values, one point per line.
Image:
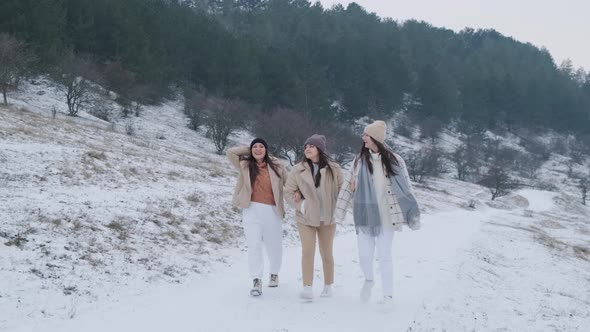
x=102 y=231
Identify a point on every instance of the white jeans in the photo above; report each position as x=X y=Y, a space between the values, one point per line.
x=262 y=225
x=383 y=243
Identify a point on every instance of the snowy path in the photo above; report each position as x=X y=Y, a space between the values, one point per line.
x=220 y=302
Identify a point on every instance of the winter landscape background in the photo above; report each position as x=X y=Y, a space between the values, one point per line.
x=115 y=194
x=108 y=231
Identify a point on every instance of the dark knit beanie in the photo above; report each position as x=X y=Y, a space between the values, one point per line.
x=258 y=140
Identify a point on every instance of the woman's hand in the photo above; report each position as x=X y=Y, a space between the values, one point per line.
x=352 y=186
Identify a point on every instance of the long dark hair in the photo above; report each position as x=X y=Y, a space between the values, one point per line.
x=253 y=166
x=324 y=162
x=387 y=158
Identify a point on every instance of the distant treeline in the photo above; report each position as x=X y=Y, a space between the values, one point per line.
x=338 y=63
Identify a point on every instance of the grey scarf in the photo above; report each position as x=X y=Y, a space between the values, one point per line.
x=365 y=208
x=366 y=214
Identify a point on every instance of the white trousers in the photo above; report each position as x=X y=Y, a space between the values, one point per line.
x=383 y=243
x=263 y=227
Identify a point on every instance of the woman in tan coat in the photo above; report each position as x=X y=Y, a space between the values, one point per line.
x=312 y=188
x=259 y=192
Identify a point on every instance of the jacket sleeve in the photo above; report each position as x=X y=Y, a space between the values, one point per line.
x=404 y=169
x=290 y=188
x=284 y=175
x=234 y=154
x=345 y=195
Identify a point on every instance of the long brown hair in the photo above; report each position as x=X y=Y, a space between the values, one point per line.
x=253 y=166
x=324 y=162
x=387 y=158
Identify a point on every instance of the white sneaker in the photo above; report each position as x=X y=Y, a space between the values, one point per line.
x=273 y=281
x=386 y=303
x=366 y=290
x=256 y=288
x=387 y=300
x=327 y=292
x=307 y=293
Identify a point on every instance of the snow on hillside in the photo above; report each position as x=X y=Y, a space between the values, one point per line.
x=106 y=231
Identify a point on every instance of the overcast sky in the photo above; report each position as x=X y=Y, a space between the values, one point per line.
x=563 y=27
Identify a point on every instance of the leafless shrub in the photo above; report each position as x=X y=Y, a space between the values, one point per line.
x=130 y=128
x=74 y=73
x=403 y=125
x=341 y=142
x=101 y=112
x=285 y=131
x=528 y=165
x=14 y=61
x=431 y=128
x=583 y=185
x=498 y=182
x=466 y=159
x=194 y=108
x=559 y=145
x=424 y=162
x=223 y=118
x=119 y=79
x=538 y=148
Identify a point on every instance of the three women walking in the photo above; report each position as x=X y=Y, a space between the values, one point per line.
x=378 y=188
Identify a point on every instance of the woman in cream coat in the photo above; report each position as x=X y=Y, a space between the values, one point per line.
x=259 y=192
x=312 y=188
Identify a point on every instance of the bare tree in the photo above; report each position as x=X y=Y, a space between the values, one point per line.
x=13 y=63
x=223 y=118
x=498 y=182
x=584 y=185
x=424 y=162
x=285 y=131
x=119 y=79
x=74 y=73
x=466 y=160
x=195 y=104
x=529 y=164
x=431 y=128
x=342 y=143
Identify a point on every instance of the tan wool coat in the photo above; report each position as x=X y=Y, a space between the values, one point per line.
x=301 y=180
x=243 y=190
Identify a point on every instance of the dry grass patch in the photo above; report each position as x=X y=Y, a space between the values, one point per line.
x=193 y=198
x=172 y=175
x=129 y=172
x=96 y=155
x=582 y=252
x=216 y=172
x=118 y=227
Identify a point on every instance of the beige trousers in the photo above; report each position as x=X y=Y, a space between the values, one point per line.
x=325 y=236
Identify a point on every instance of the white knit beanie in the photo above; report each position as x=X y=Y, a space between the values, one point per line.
x=377 y=130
